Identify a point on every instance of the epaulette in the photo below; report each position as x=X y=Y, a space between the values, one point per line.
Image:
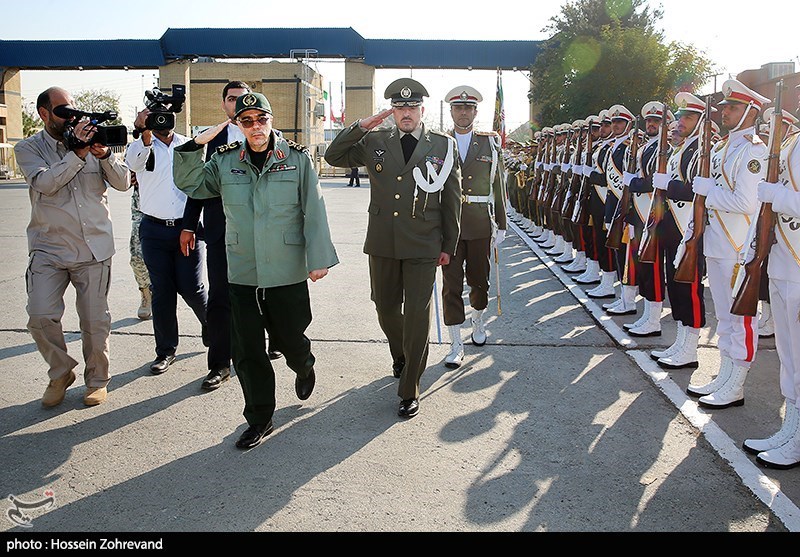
x=229 y=147
x=754 y=139
x=298 y=147
x=443 y=134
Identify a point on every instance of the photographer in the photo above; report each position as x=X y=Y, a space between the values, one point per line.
x=171 y=271
x=70 y=240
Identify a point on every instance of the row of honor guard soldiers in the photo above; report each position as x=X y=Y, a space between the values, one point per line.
x=614 y=198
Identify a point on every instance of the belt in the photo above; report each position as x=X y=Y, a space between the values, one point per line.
x=475 y=199
x=165 y=222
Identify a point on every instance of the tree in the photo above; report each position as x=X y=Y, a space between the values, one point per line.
x=605 y=52
x=98 y=100
x=31 y=123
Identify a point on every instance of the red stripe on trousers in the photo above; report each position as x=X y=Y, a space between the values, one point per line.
x=748 y=338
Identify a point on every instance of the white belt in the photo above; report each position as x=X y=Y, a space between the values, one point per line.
x=476 y=199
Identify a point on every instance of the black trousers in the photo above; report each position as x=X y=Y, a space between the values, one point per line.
x=285 y=313
x=218 y=312
x=171 y=273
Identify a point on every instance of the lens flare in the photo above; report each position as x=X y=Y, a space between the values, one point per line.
x=582 y=55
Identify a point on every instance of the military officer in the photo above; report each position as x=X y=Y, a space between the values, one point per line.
x=277 y=238
x=738 y=163
x=483 y=221
x=414 y=220
x=686 y=300
x=782 y=449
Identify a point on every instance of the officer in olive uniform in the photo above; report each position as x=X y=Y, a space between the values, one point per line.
x=414 y=217
x=277 y=237
x=483 y=221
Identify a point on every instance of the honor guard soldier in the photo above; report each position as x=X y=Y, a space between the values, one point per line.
x=686 y=300
x=601 y=270
x=738 y=163
x=576 y=245
x=414 y=220
x=586 y=253
x=483 y=221
x=782 y=449
x=622 y=121
x=650 y=276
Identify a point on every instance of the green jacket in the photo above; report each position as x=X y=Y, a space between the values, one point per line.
x=477 y=181
x=400 y=227
x=276 y=224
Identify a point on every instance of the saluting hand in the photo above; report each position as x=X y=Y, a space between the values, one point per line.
x=375 y=120
x=211 y=133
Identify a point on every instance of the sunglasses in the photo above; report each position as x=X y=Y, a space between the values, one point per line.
x=250 y=122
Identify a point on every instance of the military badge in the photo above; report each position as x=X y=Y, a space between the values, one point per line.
x=754 y=166
x=249 y=100
x=378 y=167
x=405 y=92
x=463 y=96
x=380 y=152
x=282 y=168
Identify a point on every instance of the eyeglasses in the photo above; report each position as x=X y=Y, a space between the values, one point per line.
x=249 y=122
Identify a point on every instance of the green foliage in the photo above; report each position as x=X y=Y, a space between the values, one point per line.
x=31 y=123
x=606 y=52
x=98 y=100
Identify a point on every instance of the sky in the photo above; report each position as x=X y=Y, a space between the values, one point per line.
x=735 y=39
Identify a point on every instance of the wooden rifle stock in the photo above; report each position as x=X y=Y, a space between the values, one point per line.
x=745 y=300
x=648 y=251
x=686 y=271
x=617 y=228
x=581 y=213
x=574 y=185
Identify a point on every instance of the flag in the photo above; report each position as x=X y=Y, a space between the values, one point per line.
x=499 y=124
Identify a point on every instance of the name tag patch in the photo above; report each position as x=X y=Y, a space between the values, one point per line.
x=238 y=171
x=484 y=158
x=282 y=168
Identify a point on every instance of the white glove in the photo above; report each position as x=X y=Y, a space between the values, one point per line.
x=523 y=166
x=627 y=177
x=500 y=235
x=767 y=191
x=660 y=181
x=702 y=186
x=565 y=167
x=539 y=165
x=587 y=170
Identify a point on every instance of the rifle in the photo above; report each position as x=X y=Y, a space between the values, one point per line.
x=748 y=277
x=544 y=179
x=617 y=228
x=581 y=214
x=686 y=269
x=536 y=181
x=558 y=198
x=648 y=249
x=575 y=183
x=549 y=187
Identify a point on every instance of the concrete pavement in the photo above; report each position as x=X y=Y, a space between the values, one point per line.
x=558 y=424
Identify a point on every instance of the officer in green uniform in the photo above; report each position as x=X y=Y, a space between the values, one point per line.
x=483 y=221
x=414 y=214
x=277 y=237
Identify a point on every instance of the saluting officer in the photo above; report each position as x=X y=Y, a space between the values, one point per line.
x=738 y=163
x=414 y=218
x=483 y=221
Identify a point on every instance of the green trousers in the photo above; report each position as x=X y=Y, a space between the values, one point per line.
x=401 y=290
x=284 y=312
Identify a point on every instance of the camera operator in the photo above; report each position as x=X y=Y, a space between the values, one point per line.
x=70 y=240
x=171 y=271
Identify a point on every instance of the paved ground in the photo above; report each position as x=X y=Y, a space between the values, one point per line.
x=558 y=424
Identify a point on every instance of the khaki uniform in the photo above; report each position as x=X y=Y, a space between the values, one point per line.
x=483 y=208
x=408 y=229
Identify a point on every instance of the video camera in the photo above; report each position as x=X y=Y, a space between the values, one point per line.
x=110 y=136
x=163 y=107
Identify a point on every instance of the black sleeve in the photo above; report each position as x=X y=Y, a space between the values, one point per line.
x=598 y=178
x=641 y=185
x=678 y=190
x=191 y=214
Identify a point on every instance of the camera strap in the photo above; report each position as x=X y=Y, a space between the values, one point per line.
x=150 y=164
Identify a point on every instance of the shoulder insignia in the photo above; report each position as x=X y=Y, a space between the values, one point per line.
x=298 y=147
x=754 y=166
x=754 y=139
x=229 y=147
x=440 y=134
